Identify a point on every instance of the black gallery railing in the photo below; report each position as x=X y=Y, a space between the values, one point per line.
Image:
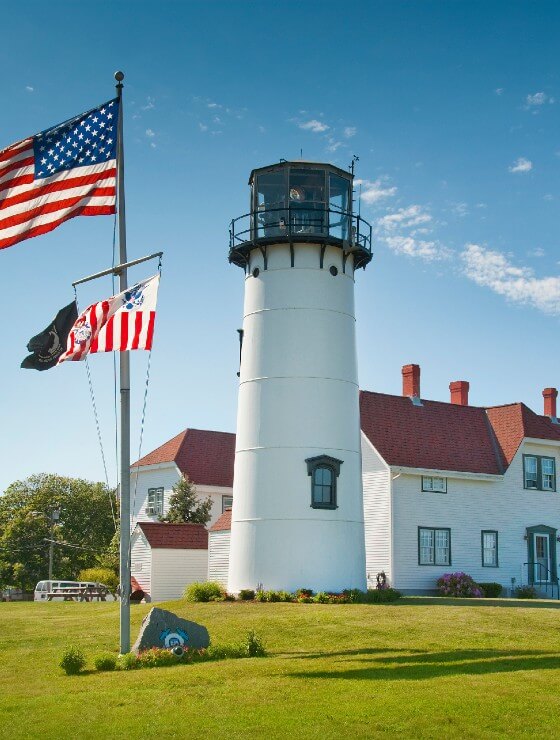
x=301 y=222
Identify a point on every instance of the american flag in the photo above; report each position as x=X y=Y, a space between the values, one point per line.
x=122 y=322
x=68 y=170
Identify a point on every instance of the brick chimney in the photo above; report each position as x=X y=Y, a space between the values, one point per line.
x=549 y=395
x=459 y=392
x=411 y=381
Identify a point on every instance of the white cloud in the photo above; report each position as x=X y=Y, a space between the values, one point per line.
x=350 y=131
x=372 y=191
x=150 y=103
x=430 y=251
x=460 y=209
x=493 y=269
x=539 y=98
x=536 y=252
x=152 y=144
x=317 y=127
x=203 y=127
x=214 y=105
x=333 y=144
x=548 y=196
x=499 y=91
x=149 y=133
x=404 y=218
x=521 y=164
x=29 y=88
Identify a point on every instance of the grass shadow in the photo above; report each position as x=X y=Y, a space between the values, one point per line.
x=419 y=666
x=503 y=603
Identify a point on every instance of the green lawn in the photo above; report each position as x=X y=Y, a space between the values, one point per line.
x=420 y=668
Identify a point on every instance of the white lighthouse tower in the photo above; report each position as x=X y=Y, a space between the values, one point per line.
x=298 y=517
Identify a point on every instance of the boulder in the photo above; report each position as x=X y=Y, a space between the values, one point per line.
x=164 y=629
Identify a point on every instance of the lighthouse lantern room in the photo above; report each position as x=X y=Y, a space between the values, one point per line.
x=297 y=519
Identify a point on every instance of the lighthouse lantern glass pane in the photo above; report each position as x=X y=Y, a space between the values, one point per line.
x=307 y=198
x=270 y=217
x=339 y=200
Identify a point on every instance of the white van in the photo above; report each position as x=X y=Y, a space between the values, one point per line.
x=43 y=588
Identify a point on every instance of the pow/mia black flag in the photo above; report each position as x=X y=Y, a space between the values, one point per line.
x=47 y=346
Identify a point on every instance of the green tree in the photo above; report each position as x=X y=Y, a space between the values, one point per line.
x=26 y=512
x=185 y=506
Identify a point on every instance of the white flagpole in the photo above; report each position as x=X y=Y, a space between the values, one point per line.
x=125 y=400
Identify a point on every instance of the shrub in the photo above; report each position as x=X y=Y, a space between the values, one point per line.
x=105 y=662
x=491 y=590
x=222 y=652
x=458 y=584
x=525 y=592
x=207 y=591
x=157 y=658
x=286 y=596
x=227 y=597
x=100 y=575
x=304 y=592
x=72 y=661
x=246 y=594
x=261 y=596
x=254 y=645
x=129 y=662
x=321 y=598
x=379 y=596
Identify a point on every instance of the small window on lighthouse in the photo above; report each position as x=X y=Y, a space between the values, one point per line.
x=324 y=471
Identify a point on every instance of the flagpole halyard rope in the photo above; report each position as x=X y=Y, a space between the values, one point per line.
x=142 y=423
x=115 y=381
x=98 y=427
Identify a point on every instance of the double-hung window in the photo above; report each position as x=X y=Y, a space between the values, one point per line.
x=434 y=546
x=227 y=503
x=155 y=501
x=489 y=541
x=539 y=473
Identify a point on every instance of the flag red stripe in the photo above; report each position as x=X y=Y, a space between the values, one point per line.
x=21 y=180
x=52 y=207
x=124 y=331
x=150 y=336
x=109 y=335
x=55 y=187
x=104 y=312
x=17 y=165
x=15 y=149
x=137 y=330
x=45 y=228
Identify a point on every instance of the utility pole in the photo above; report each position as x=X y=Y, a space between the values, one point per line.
x=55 y=516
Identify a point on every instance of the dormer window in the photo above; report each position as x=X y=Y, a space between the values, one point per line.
x=324 y=471
x=539 y=473
x=434 y=483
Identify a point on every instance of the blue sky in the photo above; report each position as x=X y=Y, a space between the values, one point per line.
x=453 y=109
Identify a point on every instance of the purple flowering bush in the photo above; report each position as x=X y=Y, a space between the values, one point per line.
x=459 y=584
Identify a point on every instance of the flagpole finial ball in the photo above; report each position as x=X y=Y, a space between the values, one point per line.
x=119 y=76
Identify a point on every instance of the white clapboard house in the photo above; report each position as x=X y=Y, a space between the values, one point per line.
x=167 y=557
x=446 y=487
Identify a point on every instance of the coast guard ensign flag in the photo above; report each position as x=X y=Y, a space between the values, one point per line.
x=123 y=322
x=65 y=171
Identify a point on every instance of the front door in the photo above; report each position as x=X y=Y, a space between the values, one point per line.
x=541 y=544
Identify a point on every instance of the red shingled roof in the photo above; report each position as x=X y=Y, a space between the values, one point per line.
x=515 y=421
x=175 y=536
x=438 y=436
x=223 y=522
x=206 y=457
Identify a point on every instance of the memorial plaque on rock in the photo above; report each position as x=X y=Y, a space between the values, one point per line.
x=164 y=629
